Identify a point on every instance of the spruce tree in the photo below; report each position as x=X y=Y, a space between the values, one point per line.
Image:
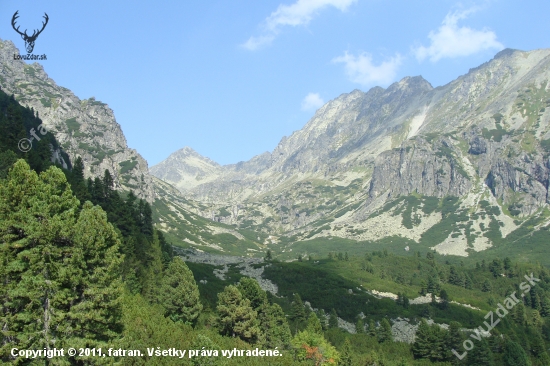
x=179 y=294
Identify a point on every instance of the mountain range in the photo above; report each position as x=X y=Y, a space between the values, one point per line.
x=459 y=168
x=369 y=165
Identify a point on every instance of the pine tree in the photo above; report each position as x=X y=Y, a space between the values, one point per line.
x=145 y=218
x=444 y=304
x=454 y=341
x=297 y=309
x=152 y=270
x=359 y=326
x=251 y=290
x=63 y=285
x=518 y=313
x=346 y=354
x=78 y=184
x=421 y=347
x=274 y=327
x=313 y=324
x=399 y=300
x=98 y=315
x=507 y=264
x=514 y=355
x=495 y=267
x=236 y=317
x=179 y=294
x=406 y=302
x=333 y=319
x=434 y=284
x=486 y=287
x=481 y=355
x=372 y=329
x=538 y=348
x=467 y=282
x=384 y=332
x=545 y=306
x=455 y=278
x=323 y=319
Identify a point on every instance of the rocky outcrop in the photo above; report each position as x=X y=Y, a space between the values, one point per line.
x=85 y=128
x=423 y=168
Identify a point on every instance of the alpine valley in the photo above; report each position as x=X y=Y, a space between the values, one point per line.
x=382 y=233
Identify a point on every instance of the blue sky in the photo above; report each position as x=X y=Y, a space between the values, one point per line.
x=231 y=78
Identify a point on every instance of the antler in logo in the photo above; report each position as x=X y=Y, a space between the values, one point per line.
x=29 y=40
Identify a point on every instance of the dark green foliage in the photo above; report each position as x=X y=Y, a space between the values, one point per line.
x=17 y=123
x=346 y=356
x=60 y=268
x=360 y=325
x=384 y=332
x=481 y=355
x=514 y=355
x=236 y=318
x=274 y=327
x=144 y=325
x=179 y=294
x=430 y=342
x=314 y=324
x=333 y=319
x=297 y=309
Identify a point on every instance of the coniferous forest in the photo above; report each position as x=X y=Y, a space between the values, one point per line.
x=82 y=266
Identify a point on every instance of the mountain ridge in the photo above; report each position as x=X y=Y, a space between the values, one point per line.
x=481 y=138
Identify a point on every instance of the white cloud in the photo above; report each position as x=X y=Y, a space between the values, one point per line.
x=299 y=13
x=360 y=69
x=312 y=101
x=452 y=41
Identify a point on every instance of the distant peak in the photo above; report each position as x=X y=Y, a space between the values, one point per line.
x=412 y=83
x=506 y=52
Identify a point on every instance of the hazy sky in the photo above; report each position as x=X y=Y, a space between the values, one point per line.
x=230 y=78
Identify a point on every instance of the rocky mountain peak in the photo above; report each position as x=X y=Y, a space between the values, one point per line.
x=85 y=128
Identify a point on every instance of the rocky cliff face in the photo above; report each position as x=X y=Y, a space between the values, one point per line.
x=85 y=128
x=484 y=138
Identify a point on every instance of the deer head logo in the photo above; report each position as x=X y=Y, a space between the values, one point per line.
x=29 y=40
